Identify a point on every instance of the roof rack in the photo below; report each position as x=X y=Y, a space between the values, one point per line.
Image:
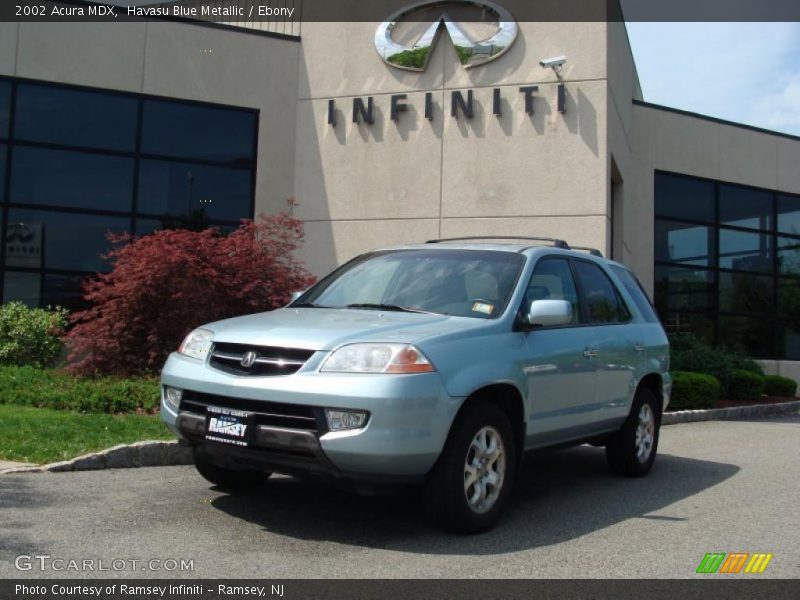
x=556 y=242
x=592 y=251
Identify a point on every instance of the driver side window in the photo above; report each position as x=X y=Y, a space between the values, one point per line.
x=552 y=280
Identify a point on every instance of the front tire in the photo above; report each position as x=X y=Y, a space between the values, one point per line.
x=632 y=450
x=470 y=485
x=226 y=479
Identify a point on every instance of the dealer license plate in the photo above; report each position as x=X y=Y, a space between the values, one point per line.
x=227 y=426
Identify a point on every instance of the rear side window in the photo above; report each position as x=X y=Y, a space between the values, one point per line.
x=637 y=292
x=599 y=298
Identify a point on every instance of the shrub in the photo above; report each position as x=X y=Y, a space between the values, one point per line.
x=31 y=386
x=746 y=385
x=690 y=353
x=165 y=284
x=692 y=391
x=30 y=336
x=775 y=385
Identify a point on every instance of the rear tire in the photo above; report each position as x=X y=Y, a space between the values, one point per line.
x=632 y=450
x=227 y=479
x=469 y=487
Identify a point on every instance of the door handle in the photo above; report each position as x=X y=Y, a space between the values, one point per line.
x=590 y=353
x=639 y=347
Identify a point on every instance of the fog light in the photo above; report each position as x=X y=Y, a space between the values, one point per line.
x=345 y=419
x=172 y=398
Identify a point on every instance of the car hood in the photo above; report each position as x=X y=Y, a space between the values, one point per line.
x=327 y=328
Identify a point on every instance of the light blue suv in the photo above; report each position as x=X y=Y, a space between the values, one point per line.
x=435 y=364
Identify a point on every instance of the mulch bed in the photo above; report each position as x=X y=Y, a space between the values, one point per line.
x=763 y=400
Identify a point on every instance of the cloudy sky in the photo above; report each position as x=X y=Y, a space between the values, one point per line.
x=745 y=72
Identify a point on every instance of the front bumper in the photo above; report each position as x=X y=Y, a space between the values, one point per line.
x=410 y=417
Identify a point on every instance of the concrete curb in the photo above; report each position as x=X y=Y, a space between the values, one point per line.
x=140 y=454
x=734 y=412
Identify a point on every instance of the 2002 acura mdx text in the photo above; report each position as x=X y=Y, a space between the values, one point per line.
x=434 y=364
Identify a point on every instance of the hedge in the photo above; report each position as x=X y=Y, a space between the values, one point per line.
x=746 y=385
x=775 y=385
x=30 y=336
x=31 y=386
x=692 y=391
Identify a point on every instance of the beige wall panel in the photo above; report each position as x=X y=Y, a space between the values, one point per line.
x=547 y=164
x=579 y=231
x=584 y=45
x=788 y=165
x=105 y=55
x=748 y=157
x=8 y=48
x=340 y=59
x=357 y=171
x=331 y=243
x=230 y=67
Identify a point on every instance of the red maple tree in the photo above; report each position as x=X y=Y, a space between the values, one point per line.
x=165 y=284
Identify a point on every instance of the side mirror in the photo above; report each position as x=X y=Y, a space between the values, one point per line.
x=549 y=313
x=296 y=295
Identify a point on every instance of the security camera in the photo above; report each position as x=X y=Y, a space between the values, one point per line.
x=553 y=63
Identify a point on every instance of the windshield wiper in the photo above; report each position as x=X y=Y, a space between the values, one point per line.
x=308 y=305
x=392 y=307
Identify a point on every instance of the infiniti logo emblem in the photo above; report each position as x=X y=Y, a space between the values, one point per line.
x=248 y=359
x=471 y=53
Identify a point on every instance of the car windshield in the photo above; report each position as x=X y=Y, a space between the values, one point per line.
x=465 y=283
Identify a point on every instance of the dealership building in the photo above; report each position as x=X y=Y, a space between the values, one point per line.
x=391 y=132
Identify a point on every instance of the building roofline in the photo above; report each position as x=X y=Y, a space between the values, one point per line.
x=695 y=115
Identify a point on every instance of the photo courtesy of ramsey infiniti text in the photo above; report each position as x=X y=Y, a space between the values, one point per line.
x=435 y=364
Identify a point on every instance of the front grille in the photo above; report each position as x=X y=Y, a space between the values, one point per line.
x=275 y=414
x=270 y=360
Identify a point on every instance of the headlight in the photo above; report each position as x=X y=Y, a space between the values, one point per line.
x=197 y=344
x=377 y=358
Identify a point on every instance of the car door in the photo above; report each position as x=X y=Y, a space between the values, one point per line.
x=559 y=363
x=619 y=351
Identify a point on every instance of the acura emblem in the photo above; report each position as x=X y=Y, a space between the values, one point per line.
x=248 y=359
x=471 y=53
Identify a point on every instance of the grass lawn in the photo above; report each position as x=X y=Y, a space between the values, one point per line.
x=42 y=435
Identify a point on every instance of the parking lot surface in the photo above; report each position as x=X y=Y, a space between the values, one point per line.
x=725 y=486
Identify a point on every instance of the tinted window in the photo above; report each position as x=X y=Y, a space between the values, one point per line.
x=789 y=255
x=789 y=214
x=3 y=155
x=744 y=207
x=187 y=131
x=684 y=243
x=600 y=299
x=552 y=280
x=73 y=179
x=634 y=288
x=62 y=240
x=745 y=251
x=684 y=198
x=755 y=336
x=54 y=289
x=75 y=117
x=5 y=107
x=190 y=190
x=678 y=288
x=743 y=292
x=789 y=315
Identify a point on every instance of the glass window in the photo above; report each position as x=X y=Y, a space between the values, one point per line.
x=60 y=240
x=196 y=191
x=188 y=131
x=147 y=226
x=50 y=289
x=754 y=335
x=684 y=243
x=22 y=287
x=5 y=107
x=678 y=288
x=789 y=214
x=743 y=292
x=599 y=297
x=75 y=117
x=72 y=179
x=745 y=207
x=636 y=291
x=701 y=325
x=684 y=197
x=789 y=319
x=745 y=251
x=552 y=280
x=789 y=255
x=3 y=156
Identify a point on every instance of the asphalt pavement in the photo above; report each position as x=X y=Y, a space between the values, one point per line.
x=723 y=486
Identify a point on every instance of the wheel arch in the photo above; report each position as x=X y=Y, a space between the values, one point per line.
x=508 y=398
x=655 y=383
